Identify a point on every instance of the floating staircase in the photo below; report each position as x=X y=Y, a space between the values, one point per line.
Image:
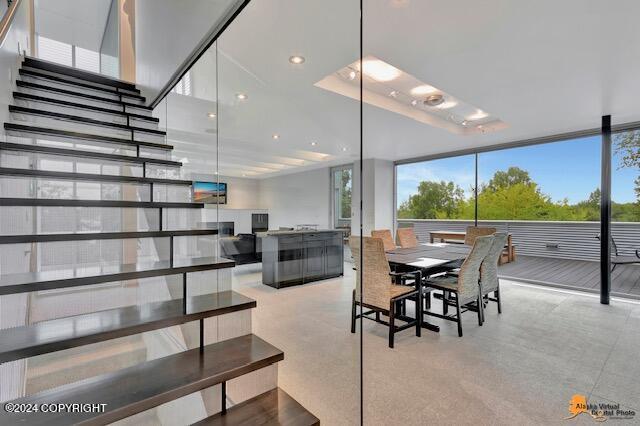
x=64 y=112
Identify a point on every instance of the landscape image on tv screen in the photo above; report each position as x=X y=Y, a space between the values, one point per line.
x=210 y=192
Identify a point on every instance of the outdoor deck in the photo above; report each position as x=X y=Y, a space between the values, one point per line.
x=571 y=273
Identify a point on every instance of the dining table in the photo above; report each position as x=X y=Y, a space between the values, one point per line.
x=430 y=259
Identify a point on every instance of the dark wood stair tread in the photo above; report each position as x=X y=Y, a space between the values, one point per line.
x=272 y=408
x=9 y=146
x=81 y=120
x=83 y=136
x=89 y=236
x=77 y=73
x=81 y=276
x=7 y=171
x=74 y=81
x=57 y=202
x=36 y=98
x=147 y=385
x=36 y=86
x=64 y=333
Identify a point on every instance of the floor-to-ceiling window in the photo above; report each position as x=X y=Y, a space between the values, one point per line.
x=625 y=213
x=547 y=196
x=341 y=182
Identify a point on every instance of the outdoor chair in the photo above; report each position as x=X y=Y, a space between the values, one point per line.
x=617 y=258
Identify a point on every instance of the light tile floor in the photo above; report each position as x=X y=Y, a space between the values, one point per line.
x=521 y=367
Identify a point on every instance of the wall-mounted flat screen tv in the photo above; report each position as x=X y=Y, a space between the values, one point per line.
x=210 y=192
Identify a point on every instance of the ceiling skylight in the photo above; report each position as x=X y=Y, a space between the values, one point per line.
x=390 y=88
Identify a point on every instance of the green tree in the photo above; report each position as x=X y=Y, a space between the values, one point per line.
x=434 y=200
x=345 y=194
x=511 y=177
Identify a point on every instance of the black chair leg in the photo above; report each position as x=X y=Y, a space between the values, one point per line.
x=353 y=313
x=427 y=300
x=497 y=294
x=458 y=316
x=445 y=302
x=392 y=327
x=480 y=303
x=418 y=316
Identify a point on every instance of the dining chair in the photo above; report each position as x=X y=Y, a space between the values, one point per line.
x=474 y=232
x=406 y=238
x=465 y=285
x=489 y=282
x=379 y=293
x=387 y=238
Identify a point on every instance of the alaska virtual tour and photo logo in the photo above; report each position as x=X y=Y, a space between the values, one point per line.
x=599 y=412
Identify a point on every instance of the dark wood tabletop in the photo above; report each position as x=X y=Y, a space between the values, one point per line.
x=429 y=257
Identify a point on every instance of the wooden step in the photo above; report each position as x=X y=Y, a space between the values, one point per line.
x=77 y=73
x=272 y=408
x=68 y=134
x=36 y=98
x=70 y=332
x=58 y=202
x=81 y=276
x=84 y=154
x=145 y=386
x=6 y=171
x=90 y=236
x=16 y=109
x=36 y=86
x=34 y=73
x=74 y=82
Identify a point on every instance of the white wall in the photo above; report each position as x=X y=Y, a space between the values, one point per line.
x=243 y=200
x=167 y=31
x=298 y=198
x=290 y=200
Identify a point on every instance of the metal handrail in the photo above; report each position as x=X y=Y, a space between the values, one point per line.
x=7 y=19
x=208 y=40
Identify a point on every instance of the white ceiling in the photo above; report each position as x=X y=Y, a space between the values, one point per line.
x=544 y=67
x=80 y=23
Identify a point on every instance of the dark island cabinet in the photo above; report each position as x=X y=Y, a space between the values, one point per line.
x=299 y=257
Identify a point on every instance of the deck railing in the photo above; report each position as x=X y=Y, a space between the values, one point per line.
x=566 y=240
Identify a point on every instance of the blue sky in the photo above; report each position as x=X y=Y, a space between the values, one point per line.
x=562 y=170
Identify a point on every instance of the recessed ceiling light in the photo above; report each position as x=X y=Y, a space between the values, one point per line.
x=478 y=115
x=241 y=96
x=215 y=173
x=276 y=136
x=211 y=114
x=414 y=102
x=352 y=75
x=434 y=100
x=380 y=70
x=314 y=143
x=464 y=122
x=295 y=59
x=344 y=149
x=425 y=89
x=447 y=104
x=393 y=94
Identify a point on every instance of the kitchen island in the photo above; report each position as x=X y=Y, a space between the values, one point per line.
x=298 y=257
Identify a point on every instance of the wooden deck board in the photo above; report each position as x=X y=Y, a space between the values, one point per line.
x=576 y=273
